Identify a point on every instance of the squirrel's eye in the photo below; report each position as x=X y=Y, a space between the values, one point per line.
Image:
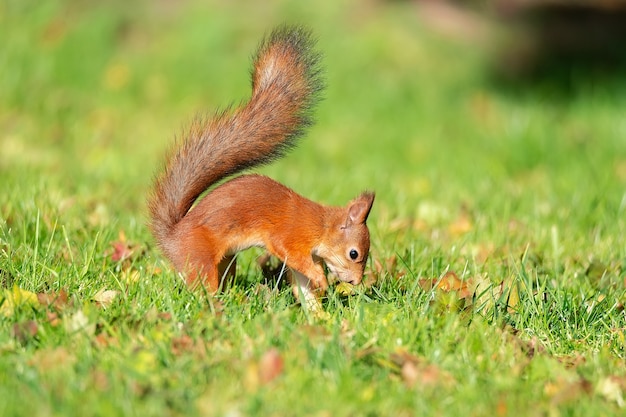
x=354 y=254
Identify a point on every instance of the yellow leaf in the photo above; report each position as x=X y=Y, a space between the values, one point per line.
x=15 y=298
x=130 y=276
x=344 y=288
x=144 y=362
x=513 y=299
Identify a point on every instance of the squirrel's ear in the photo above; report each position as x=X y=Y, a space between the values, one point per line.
x=359 y=209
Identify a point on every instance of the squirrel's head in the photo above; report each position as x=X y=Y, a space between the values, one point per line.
x=347 y=244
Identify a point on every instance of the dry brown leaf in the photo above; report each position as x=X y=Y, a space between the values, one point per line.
x=57 y=300
x=165 y=316
x=53 y=318
x=450 y=292
x=401 y=356
x=562 y=391
x=24 y=331
x=450 y=282
x=46 y=360
x=182 y=345
x=529 y=348
x=572 y=361
x=460 y=226
x=416 y=371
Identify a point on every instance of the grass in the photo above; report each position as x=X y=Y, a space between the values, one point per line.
x=519 y=191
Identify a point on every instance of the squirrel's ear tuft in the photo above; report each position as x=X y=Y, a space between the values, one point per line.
x=359 y=209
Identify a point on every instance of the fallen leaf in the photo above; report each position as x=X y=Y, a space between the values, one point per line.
x=513 y=299
x=15 y=298
x=508 y=294
x=104 y=340
x=460 y=226
x=271 y=366
x=451 y=293
x=53 y=318
x=416 y=371
x=121 y=251
x=56 y=300
x=449 y=282
x=572 y=361
x=144 y=362
x=104 y=298
x=529 y=348
x=182 y=344
x=410 y=373
x=130 y=276
x=25 y=331
x=345 y=289
x=47 y=360
x=562 y=391
x=612 y=389
x=401 y=356
x=79 y=322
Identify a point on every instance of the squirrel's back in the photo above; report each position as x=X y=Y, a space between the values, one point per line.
x=285 y=85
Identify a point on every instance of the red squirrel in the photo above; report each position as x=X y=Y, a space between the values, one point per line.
x=254 y=210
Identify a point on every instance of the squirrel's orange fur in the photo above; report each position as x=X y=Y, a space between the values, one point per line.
x=254 y=210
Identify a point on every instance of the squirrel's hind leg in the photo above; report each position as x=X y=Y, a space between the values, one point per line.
x=201 y=264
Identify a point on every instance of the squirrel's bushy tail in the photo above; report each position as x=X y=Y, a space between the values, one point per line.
x=286 y=83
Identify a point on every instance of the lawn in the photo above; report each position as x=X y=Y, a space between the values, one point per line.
x=497 y=280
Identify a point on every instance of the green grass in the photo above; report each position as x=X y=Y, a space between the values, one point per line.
x=520 y=191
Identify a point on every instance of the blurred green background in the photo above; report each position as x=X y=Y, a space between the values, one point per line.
x=93 y=94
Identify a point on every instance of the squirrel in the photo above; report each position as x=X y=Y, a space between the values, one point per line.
x=249 y=210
